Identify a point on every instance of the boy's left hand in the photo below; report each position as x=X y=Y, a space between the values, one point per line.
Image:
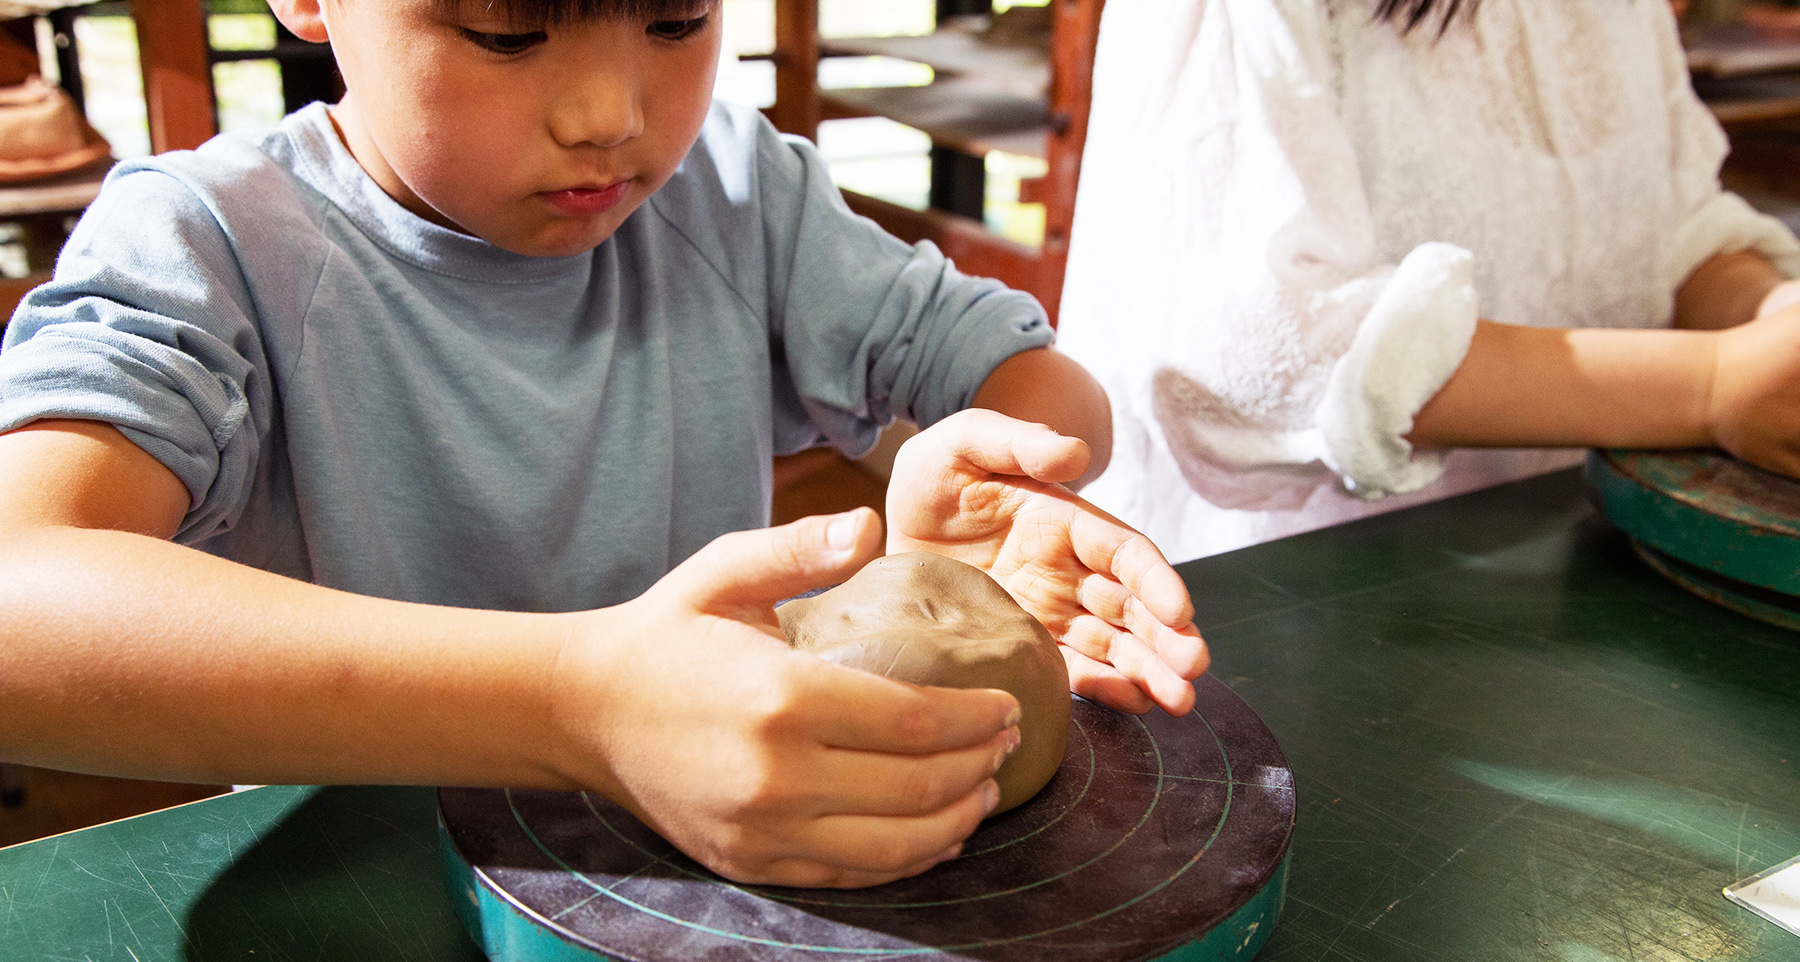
x=987 y=490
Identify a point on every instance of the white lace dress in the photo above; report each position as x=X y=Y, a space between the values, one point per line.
x=1291 y=216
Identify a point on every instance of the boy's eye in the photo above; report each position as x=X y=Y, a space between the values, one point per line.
x=506 y=43
x=677 y=29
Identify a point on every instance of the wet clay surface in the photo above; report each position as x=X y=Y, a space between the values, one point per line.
x=931 y=620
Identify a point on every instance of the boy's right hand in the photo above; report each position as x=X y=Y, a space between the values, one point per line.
x=767 y=765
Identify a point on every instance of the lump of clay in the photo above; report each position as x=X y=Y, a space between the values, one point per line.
x=931 y=620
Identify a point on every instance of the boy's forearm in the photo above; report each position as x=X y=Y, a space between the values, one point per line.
x=1540 y=387
x=123 y=654
x=1046 y=387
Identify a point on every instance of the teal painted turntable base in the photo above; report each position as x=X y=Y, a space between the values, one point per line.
x=509 y=932
x=1724 y=530
x=1159 y=838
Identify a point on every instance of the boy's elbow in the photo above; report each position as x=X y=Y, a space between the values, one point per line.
x=1048 y=387
x=1099 y=446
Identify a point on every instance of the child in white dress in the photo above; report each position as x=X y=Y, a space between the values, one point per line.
x=1294 y=214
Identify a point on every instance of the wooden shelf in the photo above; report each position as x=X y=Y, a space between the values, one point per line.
x=68 y=193
x=988 y=96
x=1744 y=75
x=1734 y=49
x=1022 y=71
x=1751 y=98
x=962 y=113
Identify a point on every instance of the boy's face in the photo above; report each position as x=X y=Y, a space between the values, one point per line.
x=538 y=138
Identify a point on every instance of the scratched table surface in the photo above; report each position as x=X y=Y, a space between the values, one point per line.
x=1511 y=741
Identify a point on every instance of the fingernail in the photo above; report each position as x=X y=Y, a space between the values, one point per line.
x=990 y=797
x=1014 y=717
x=951 y=852
x=840 y=534
x=1007 y=746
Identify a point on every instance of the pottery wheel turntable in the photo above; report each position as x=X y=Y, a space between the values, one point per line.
x=1158 y=838
x=1721 y=528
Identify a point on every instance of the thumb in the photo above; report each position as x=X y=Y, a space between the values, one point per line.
x=758 y=568
x=992 y=443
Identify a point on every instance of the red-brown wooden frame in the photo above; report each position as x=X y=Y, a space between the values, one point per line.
x=974 y=249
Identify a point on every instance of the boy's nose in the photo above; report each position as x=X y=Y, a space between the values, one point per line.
x=604 y=111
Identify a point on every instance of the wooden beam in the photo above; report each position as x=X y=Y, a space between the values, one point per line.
x=178 y=92
x=796 y=109
x=1074 y=39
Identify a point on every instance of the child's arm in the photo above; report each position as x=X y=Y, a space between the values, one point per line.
x=1731 y=289
x=995 y=492
x=121 y=652
x=1733 y=388
x=1045 y=386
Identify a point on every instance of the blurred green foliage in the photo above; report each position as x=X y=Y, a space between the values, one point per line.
x=237 y=6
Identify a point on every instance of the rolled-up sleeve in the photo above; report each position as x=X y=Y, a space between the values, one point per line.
x=1712 y=220
x=871 y=328
x=147 y=326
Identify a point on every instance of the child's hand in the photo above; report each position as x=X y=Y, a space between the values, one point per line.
x=1753 y=409
x=767 y=765
x=987 y=490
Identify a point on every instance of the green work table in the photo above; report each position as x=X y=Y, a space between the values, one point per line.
x=1511 y=740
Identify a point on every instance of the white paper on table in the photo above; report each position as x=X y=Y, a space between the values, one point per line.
x=1773 y=894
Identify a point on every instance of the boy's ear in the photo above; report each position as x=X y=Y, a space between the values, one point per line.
x=305 y=18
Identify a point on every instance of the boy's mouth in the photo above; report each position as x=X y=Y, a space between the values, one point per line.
x=587 y=201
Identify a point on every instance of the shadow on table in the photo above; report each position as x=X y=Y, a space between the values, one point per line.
x=351 y=873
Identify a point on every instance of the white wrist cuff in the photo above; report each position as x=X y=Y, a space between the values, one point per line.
x=1413 y=339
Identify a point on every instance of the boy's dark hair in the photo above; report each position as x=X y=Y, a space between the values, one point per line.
x=1410 y=13
x=570 y=11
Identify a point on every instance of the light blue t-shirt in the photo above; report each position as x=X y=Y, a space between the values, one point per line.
x=357 y=397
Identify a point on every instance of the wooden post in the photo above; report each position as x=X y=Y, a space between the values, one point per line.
x=796 y=109
x=1073 y=40
x=178 y=92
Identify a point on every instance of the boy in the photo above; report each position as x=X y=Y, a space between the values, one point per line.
x=507 y=337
